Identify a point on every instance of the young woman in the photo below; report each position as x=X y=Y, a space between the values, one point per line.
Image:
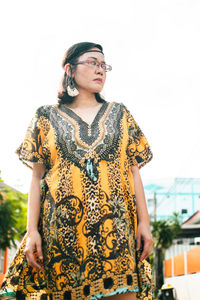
x=88 y=233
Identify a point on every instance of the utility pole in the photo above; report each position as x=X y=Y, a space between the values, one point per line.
x=155 y=249
x=154 y=206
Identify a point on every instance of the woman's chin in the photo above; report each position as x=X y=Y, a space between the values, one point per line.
x=94 y=89
x=97 y=90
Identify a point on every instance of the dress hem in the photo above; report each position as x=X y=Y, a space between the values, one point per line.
x=47 y=296
x=106 y=286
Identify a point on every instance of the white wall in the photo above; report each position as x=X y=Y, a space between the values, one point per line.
x=187 y=287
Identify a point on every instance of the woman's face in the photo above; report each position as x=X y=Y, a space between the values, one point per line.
x=86 y=75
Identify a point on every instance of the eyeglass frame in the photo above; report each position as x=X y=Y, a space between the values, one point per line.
x=97 y=64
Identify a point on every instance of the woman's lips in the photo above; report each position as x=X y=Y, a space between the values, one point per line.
x=98 y=80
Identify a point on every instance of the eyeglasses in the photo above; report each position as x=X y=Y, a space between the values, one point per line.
x=94 y=63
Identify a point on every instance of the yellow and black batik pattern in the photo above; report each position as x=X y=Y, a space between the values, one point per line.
x=88 y=219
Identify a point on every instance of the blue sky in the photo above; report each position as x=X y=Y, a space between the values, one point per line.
x=153 y=47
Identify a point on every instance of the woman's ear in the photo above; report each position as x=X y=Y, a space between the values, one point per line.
x=67 y=69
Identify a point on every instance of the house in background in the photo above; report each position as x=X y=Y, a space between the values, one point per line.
x=182 y=260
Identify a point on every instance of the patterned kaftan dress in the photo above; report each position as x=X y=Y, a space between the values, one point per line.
x=88 y=215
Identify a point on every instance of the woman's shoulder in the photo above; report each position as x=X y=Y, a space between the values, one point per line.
x=117 y=103
x=45 y=110
x=121 y=105
x=125 y=110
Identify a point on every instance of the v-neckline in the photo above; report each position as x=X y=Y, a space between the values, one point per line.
x=67 y=110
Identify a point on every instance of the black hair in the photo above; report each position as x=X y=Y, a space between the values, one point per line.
x=71 y=56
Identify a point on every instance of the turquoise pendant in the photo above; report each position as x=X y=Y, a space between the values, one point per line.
x=90 y=169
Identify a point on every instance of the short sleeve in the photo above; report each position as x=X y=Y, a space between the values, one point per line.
x=138 y=149
x=30 y=150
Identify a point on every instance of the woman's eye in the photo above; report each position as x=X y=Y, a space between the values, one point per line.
x=93 y=62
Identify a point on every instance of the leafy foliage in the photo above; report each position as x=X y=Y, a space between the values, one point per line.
x=13 y=214
x=164 y=231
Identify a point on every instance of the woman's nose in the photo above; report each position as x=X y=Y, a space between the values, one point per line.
x=99 y=70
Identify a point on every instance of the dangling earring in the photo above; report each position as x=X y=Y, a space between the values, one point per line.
x=71 y=89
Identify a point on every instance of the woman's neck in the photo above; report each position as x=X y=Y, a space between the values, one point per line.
x=84 y=99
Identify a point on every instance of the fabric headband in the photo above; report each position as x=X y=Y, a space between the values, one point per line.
x=94 y=51
x=69 y=59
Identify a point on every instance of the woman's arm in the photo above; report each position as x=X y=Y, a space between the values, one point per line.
x=34 y=238
x=143 y=228
x=34 y=198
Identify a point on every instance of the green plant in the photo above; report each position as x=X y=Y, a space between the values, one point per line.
x=13 y=213
x=164 y=232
